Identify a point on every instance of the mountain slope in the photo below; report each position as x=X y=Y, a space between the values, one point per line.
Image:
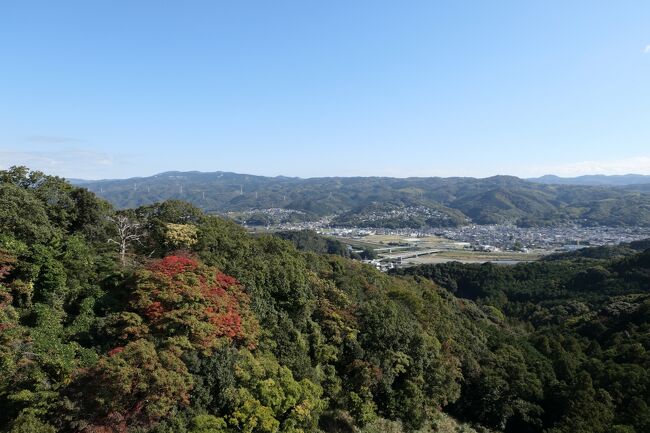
x=451 y=201
x=194 y=325
x=594 y=179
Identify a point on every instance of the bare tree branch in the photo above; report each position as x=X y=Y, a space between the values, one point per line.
x=128 y=231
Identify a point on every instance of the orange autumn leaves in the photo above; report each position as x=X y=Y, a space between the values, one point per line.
x=196 y=304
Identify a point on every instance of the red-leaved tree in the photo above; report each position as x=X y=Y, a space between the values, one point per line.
x=177 y=305
x=196 y=304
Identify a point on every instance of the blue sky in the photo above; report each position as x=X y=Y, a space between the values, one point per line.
x=99 y=89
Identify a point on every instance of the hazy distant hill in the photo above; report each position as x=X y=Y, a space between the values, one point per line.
x=411 y=202
x=642 y=187
x=596 y=179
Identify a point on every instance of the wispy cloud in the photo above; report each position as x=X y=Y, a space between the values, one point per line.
x=635 y=165
x=51 y=139
x=79 y=163
x=647 y=49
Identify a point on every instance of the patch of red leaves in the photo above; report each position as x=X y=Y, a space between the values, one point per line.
x=225 y=296
x=115 y=351
x=203 y=293
x=154 y=311
x=226 y=280
x=228 y=324
x=171 y=266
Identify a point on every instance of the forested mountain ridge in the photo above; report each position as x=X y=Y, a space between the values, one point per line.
x=595 y=179
x=434 y=201
x=164 y=319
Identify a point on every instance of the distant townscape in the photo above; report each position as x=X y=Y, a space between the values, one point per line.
x=392 y=222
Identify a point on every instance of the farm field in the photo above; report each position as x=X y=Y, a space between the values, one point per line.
x=434 y=249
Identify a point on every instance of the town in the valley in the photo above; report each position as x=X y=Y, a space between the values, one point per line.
x=470 y=243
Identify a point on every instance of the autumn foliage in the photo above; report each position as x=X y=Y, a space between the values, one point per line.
x=136 y=385
x=171 y=266
x=182 y=305
x=179 y=296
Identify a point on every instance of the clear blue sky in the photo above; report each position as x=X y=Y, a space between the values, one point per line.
x=98 y=89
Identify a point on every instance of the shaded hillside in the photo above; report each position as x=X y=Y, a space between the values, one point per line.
x=360 y=200
x=589 y=316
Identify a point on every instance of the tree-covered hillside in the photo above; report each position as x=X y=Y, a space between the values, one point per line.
x=588 y=320
x=391 y=202
x=165 y=319
x=595 y=179
x=307 y=240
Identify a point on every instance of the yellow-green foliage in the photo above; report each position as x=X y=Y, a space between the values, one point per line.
x=208 y=424
x=270 y=399
x=440 y=423
x=181 y=235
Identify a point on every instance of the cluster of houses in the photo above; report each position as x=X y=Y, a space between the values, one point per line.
x=372 y=217
x=497 y=237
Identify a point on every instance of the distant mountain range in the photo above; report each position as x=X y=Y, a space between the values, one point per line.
x=594 y=180
x=391 y=202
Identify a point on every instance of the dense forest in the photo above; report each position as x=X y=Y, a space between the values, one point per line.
x=390 y=202
x=308 y=240
x=587 y=321
x=164 y=319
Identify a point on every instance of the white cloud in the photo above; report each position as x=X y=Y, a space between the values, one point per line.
x=634 y=165
x=75 y=163
x=647 y=49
